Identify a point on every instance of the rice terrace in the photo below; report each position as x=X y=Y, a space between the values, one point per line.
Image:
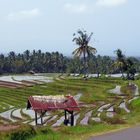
x=105 y=104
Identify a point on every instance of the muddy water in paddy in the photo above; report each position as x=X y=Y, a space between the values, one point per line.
x=51 y=119
x=59 y=121
x=136 y=94
x=7 y=115
x=30 y=113
x=123 y=106
x=33 y=123
x=20 y=78
x=84 y=121
x=116 y=90
x=16 y=113
x=103 y=107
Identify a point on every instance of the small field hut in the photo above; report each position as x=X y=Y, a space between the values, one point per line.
x=42 y=104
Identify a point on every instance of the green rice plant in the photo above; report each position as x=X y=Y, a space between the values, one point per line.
x=135 y=104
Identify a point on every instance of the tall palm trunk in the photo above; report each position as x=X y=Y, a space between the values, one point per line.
x=84 y=55
x=122 y=72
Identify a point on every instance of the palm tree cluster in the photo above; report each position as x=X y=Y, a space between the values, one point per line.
x=120 y=61
x=125 y=65
x=38 y=61
x=32 y=61
x=85 y=51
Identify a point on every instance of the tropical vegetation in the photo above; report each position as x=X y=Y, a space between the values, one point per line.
x=55 y=62
x=125 y=65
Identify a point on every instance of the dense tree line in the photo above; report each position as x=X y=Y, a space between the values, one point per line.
x=36 y=61
x=39 y=61
x=83 y=62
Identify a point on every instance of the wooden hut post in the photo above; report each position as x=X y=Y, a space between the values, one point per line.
x=35 y=117
x=65 y=115
x=65 y=120
x=72 y=119
x=41 y=118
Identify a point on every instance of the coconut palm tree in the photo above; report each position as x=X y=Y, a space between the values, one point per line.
x=130 y=69
x=84 y=50
x=120 y=62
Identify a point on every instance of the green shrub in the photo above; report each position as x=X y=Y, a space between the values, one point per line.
x=138 y=77
x=22 y=134
x=135 y=104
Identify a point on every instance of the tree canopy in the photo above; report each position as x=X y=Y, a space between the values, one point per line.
x=56 y=62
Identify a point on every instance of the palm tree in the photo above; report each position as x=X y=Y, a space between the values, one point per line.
x=120 y=61
x=130 y=68
x=84 y=50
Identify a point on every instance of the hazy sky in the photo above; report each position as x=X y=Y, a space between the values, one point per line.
x=49 y=25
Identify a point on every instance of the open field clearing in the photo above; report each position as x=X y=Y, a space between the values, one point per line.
x=105 y=104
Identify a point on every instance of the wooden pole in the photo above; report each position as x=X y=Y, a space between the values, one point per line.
x=35 y=117
x=65 y=114
x=72 y=119
x=41 y=118
x=65 y=120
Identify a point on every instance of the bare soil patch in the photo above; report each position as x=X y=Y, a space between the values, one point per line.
x=8 y=127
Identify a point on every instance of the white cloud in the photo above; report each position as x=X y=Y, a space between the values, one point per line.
x=25 y=14
x=110 y=3
x=76 y=8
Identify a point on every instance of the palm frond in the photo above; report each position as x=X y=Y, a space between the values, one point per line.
x=82 y=41
x=77 y=52
x=88 y=39
x=92 y=49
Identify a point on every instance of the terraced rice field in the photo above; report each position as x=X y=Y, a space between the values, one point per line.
x=20 y=81
x=94 y=96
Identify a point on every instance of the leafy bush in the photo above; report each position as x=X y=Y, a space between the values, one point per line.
x=22 y=134
x=135 y=104
x=138 y=77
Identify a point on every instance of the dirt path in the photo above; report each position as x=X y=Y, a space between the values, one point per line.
x=8 y=127
x=126 y=134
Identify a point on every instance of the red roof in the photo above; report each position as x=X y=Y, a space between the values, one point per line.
x=68 y=104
